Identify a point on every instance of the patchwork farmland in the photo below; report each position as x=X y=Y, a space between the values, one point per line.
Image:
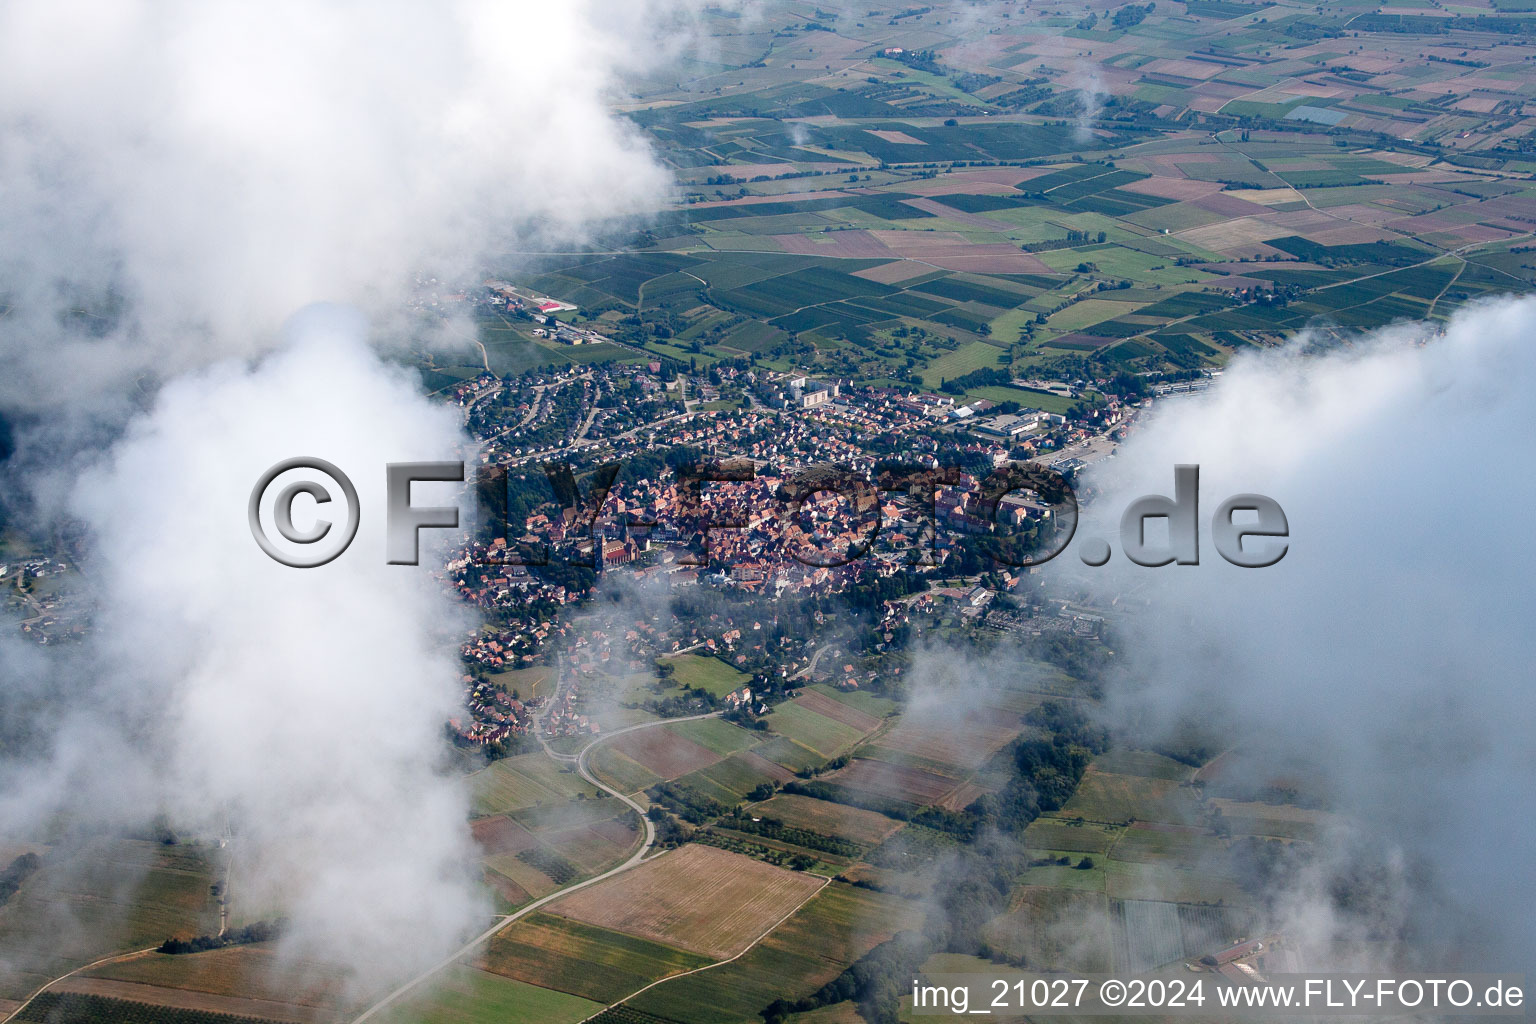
x=697 y=898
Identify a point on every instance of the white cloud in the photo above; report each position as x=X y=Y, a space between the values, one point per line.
x=1392 y=644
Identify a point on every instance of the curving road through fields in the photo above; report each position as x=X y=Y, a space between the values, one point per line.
x=634 y=860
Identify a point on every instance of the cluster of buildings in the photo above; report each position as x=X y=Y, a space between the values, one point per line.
x=565 y=716
x=513 y=646
x=795 y=392
x=494 y=715
x=756 y=540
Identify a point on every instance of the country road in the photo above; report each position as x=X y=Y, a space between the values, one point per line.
x=83 y=967
x=634 y=860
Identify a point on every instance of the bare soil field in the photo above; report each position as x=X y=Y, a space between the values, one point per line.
x=966 y=742
x=895 y=272
x=697 y=898
x=960 y=799
x=663 y=753
x=1181 y=68
x=507 y=889
x=182 y=999
x=617 y=831
x=501 y=835
x=829 y=819
x=838 y=711
x=1230 y=206
x=248 y=975
x=992 y=259
x=902 y=783
x=1173 y=188
x=900 y=138
x=1229 y=233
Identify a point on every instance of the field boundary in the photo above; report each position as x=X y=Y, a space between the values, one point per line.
x=825 y=881
x=114 y=958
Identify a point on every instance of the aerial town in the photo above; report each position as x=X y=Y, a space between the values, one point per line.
x=765 y=676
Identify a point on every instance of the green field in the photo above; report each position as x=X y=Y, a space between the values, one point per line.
x=514 y=783
x=581 y=959
x=619 y=771
x=860 y=700
x=706 y=673
x=809 y=729
x=837 y=926
x=715 y=734
x=527 y=682
x=464 y=995
x=792 y=755
x=1111 y=798
x=122 y=894
x=973 y=356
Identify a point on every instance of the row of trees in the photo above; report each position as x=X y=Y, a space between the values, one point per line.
x=260 y=931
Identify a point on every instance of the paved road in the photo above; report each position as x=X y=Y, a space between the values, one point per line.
x=809 y=671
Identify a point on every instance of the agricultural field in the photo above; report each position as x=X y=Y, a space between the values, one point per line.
x=899 y=783
x=791 y=755
x=795 y=721
x=715 y=734
x=822 y=701
x=739 y=774
x=270 y=985
x=1050 y=832
x=53 y=1007
x=464 y=995
x=706 y=673
x=102 y=895
x=1056 y=929
x=662 y=752
x=1110 y=798
x=828 y=818
x=869 y=703
x=830 y=244
x=956 y=743
x=564 y=955
x=837 y=926
x=620 y=771
x=527 y=780
x=697 y=898
x=1149 y=934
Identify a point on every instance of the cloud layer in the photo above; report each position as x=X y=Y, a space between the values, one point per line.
x=193 y=172
x=181 y=178
x=1392 y=644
